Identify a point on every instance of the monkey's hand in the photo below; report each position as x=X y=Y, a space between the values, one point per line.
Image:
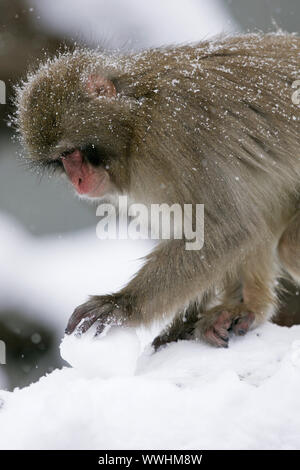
x=103 y=310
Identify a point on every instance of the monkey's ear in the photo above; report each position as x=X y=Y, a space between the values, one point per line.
x=100 y=86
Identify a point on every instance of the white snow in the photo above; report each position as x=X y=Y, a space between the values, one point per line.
x=186 y=396
x=118 y=394
x=115 y=354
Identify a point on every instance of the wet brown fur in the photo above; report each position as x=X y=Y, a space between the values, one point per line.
x=211 y=123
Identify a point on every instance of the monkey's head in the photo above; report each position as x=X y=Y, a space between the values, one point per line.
x=72 y=117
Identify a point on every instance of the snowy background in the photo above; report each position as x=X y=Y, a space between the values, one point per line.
x=114 y=392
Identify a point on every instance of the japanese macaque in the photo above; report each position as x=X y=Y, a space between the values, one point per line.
x=212 y=123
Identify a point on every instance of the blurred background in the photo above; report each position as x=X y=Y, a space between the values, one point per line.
x=50 y=259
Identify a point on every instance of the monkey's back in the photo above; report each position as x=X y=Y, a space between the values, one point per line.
x=222 y=113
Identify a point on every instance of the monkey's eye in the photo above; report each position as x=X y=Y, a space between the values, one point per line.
x=95 y=155
x=54 y=165
x=66 y=153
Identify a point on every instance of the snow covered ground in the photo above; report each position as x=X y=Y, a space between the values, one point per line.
x=187 y=396
x=118 y=394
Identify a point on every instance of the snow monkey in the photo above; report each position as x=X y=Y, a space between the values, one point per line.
x=212 y=123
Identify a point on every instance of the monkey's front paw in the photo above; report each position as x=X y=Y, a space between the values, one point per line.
x=104 y=310
x=215 y=325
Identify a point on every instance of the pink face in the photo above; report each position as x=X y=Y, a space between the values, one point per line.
x=87 y=180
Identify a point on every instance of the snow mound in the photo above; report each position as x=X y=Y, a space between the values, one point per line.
x=186 y=396
x=114 y=354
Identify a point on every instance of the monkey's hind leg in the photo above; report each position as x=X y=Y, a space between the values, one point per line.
x=259 y=301
x=181 y=327
x=289 y=248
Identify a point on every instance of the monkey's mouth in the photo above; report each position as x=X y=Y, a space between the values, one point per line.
x=101 y=187
x=86 y=179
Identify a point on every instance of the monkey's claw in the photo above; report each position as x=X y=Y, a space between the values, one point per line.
x=214 y=326
x=105 y=310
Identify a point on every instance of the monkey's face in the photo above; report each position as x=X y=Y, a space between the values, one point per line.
x=86 y=171
x=72 y=119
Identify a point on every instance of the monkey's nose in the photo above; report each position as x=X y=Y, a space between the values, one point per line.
x=78 y=171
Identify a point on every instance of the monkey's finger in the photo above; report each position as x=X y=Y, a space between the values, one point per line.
x=217 y=338
x=86 y=324
x=100 y=329
x=85 y=310
x=73 y=323
x=76 y=317
x=111 y=319
x=93 y=317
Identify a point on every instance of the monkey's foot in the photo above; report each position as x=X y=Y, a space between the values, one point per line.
x=104 y=310
x=215 y=325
